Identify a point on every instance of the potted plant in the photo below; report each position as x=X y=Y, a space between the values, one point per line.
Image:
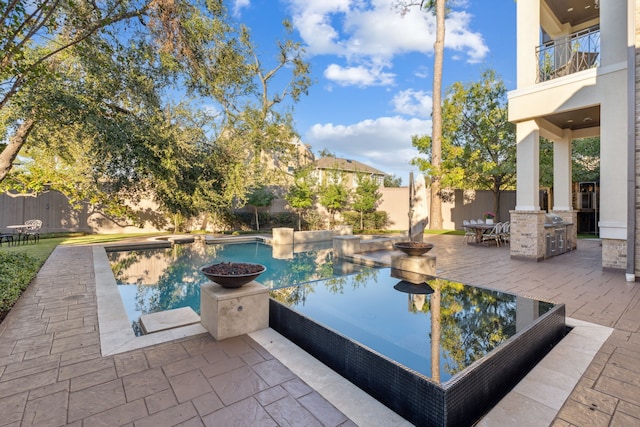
x=489 y=217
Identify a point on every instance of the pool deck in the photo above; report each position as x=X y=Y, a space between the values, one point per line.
x=53 y=372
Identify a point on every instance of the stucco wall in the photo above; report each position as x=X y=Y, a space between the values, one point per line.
x=57 y=214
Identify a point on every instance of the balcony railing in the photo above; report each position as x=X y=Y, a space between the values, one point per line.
x=576 y=52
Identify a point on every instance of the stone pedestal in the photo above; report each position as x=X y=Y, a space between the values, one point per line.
x=227 y=313
x=346 y=245
x=421 y=265
x=282 y=236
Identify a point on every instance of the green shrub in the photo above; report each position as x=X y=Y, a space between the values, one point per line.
x=377 y=220
x=16 y=271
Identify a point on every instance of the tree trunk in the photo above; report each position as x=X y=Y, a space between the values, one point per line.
x=255 y=208
x=435 y=222
x=16 y=142
x=496 y=204
x=205 y=221
x=436 y=331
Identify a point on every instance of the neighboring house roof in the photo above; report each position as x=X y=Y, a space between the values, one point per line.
x=346 y=165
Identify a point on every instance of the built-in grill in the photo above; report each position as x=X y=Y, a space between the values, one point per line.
x=555 y=235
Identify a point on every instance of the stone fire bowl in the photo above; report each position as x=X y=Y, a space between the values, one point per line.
x=233 y=274
x=413 y=248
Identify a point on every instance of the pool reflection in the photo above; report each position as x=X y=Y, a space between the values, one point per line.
x=437 y=334
x=154 y=280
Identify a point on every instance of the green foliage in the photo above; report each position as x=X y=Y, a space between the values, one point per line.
x=16 y=271
x=585 y=161
x=478 y=149
x=301 y=195
x=18 y=266
x=392 y=181
x=366 y=196
x=377 y=220
x=260 y=197
x=334 y=195
x=585 y=156
x=546 y=163
x=86 y=104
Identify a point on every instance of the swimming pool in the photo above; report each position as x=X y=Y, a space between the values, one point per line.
x=442 y=355
x=151 y=280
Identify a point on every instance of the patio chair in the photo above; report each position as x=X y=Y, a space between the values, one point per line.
x=480 y=221
x=468 y=232
x=6 y=237
x=32 y=229
x=473 y=221
x=505 y=235
x=493 y=234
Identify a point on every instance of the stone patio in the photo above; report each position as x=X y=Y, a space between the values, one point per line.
x=52 y=371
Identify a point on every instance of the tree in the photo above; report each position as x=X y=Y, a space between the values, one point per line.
x=301 y=195
x=33 y=36
x=366 y=196
x=92 y=93
x=255 y=120
x=586 y=159
x=392 y=181
x=439 y=6
x=478 y=139
x=325 y=152
x=436 y=116
x=333 y=194
x=260 y=197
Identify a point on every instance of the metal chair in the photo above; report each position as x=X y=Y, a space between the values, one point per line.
x=468 y=232
x=6 y=237
x=32 y=229
x=494 y=234
x=505 y=235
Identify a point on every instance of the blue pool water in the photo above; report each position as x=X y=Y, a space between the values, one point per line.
x=457 y=323
x=152 y=280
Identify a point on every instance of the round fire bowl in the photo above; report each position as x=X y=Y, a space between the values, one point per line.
x=233 y=274
x=413 y=248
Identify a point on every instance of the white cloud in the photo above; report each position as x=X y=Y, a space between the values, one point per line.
x=413 y=103
x=358 y=76
x=238 y=5
x=369 y=33
x=383 y=143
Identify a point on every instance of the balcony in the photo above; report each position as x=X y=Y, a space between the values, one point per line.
x=576 y=52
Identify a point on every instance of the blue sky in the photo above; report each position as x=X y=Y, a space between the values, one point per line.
x=372 y=68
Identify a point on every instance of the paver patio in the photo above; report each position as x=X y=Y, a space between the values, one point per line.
x=52 y=371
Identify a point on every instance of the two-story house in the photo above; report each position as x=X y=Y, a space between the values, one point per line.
x=576 y=78
x=346 y=170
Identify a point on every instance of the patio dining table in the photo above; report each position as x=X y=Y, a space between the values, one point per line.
x=479 y=230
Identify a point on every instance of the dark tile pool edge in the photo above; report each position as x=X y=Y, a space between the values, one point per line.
x=461 y=401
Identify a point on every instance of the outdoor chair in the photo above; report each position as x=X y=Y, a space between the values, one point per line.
x=6 y=237
x=32 y=230
x=473 y=221
x=480 y=221
x=505 y=234
x=493 y=234
x=468 y=232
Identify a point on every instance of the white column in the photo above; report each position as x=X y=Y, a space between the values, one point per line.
x=528 y=166
x=528 y=37
x=562 y=173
